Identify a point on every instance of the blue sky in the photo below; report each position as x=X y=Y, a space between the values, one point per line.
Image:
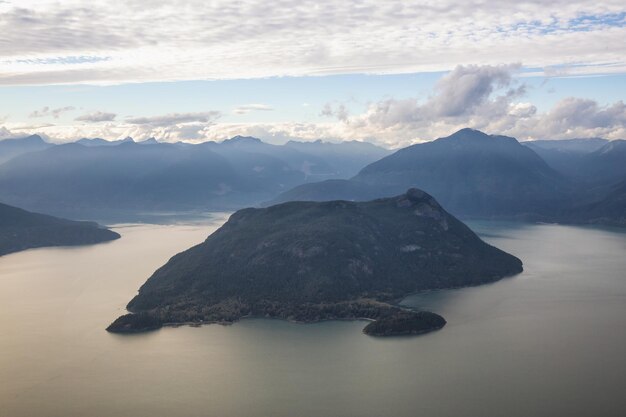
x=380 y=71
x=292 y=98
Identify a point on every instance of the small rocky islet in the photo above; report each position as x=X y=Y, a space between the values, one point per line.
x=313 y=261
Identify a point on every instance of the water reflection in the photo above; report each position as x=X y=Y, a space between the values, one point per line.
x=547 y=342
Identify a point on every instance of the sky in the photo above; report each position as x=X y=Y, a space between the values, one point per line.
x=388 y=72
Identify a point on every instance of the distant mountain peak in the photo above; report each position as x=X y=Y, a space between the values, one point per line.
x=468 y=133
x=245 y=140
x=31 y=139
x=34 y=138
x=103 y=142
x=12 y=147
x=149 y=141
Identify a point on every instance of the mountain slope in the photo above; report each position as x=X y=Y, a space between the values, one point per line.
x=10 y=148
x=20 y=230
x=469 y=172
x=316 y=160
x=132 y=176
x=573 y=146
x=594 y=162
x=95 y=176
x=608 y=210
x=102 y=142
x=346 y=158
x=565 y=156
x=605 y=165
x=309 y=261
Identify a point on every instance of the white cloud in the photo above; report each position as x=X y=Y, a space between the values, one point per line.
x=47 y=41
x=576 y=117
x=489 y=98
x=486 y=98
x=340 y=111
x=247 y=108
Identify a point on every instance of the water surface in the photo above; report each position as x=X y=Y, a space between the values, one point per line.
x=548 y=342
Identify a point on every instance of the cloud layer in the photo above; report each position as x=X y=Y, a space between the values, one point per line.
x=489 y=98
x=47 y=41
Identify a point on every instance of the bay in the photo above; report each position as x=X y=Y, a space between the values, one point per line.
x=547 y=342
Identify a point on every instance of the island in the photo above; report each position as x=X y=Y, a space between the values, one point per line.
x=313 y=261
x=21 y=230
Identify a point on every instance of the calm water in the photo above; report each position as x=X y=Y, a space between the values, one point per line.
x=549 y=342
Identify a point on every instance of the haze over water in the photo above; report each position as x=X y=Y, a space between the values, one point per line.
x=547 y=342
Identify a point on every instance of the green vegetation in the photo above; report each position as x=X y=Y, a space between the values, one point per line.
x=311 y=261
x=405 y=323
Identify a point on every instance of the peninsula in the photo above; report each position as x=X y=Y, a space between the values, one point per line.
x=21 y=230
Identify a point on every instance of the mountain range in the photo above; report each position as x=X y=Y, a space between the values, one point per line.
x=591 y=161
x=10 y=148
x=97 y=175
x=471 y=173
x=475 y=175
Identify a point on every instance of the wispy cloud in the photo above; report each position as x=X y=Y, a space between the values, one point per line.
x=175 y=118
x=75 y=41
x=48 y=112
x=97 y=116
x=247 y=108
x=340 y=111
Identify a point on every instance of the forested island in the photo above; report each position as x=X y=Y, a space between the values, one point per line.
x=313 y=261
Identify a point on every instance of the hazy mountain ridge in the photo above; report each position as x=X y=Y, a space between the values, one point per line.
x=469 y=172
x=21 y=229
x=311 y=261
x=12 y=147
x=610 y=209
x=591 y=161
x=476 y=175
x=123 y=175
x=576 y=146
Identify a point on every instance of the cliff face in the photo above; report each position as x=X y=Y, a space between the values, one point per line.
x=310 y=261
